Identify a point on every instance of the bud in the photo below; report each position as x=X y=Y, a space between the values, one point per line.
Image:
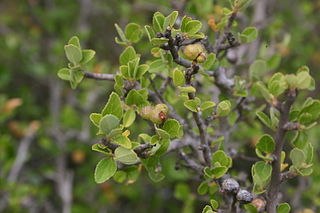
x=230 y=185
x=224 y=108
x=157 y=114
x=244 y=196
x=259 y=204
x=195 y=52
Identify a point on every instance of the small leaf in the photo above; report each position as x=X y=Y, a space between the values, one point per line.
x=150 y=32
x=248 y=35
x=224 y=108
x=214 y=204
x=87 y=55
x=207 y=105
x=211 y=59
x=193 y=27
x=222 y=158
x=133 y=32
x=257 y=69
x=184 y=22
x=113 y=106
x=178 y=78
x=73 y=53
x=127 y=55
x=120 y=176
x=105 y=169
x=303 y=80
x=136 y=98
x=108 y=123
x=170 y=20
x=266 y=144
x=95 y=118
x=65 y=74
x=191 y=105
x=158 y=22
x=264 y=119
x=121 y=33
x=187 y=89
x=203 y=188
x=74 y=40
x=219 y=171
x=172 y=127
x=126 y=156
x=283 y=208
x=129 y=117
x=297 y=157
x=123 y=141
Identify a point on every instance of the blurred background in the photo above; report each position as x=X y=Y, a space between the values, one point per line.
x=46 y=162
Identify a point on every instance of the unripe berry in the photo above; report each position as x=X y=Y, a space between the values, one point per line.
x=157 y=114
x=195 y=52
x=230 y=185
x=244 y=196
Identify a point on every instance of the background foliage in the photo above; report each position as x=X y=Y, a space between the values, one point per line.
x=45 y=157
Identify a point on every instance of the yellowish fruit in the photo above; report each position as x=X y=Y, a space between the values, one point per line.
x=195 y=52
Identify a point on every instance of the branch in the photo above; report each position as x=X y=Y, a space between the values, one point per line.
x=287 y=175
x=272 y=193
x=99 y=76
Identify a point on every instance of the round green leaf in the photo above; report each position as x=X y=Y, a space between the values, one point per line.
x=108 y=123
x=104 y=170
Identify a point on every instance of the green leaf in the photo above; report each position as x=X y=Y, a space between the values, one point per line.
x=304 y=80
x=178 y=78
x=65 y=74
x=203 y=188
x=211 y=59
x=264 y=119
x=142 y=69
x=184 y=22
x=129 y=117
x=274 y=61
x=108 y=123
x=192 y=27
x=125 y=156
x=73 y=53
x=248 y=35
x=172 y=127
x=283 y=208
x=136 y=98
x=214 y=204
x=123 y=141
x=297 y=157
x=224 y=108
x=219 y=171
x=101 y=148
x=95 y=118
x=158 y=22
x=150 y=32
x=264 y=91
x=157 y=66
x=87 y=55
x=250 y=208
x=257 y=69
x=170 y=20
x=191 y=105
x=207 y=105
x=105 y=169
x=261 y=173
x=207 y=209
x=120 y=176
x=113 y=106
x=187 y=89
x=121 y=33
x=74 y=40
x=163 y=134
x=133 y=32
x=127 y=55
x=222 y=158
x=76 y=78
x=266 y=144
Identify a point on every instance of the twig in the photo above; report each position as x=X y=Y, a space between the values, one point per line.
x=99 y=76
x=273 y=190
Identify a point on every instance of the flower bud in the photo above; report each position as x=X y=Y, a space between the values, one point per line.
x=230 y=185
x=244 y=196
